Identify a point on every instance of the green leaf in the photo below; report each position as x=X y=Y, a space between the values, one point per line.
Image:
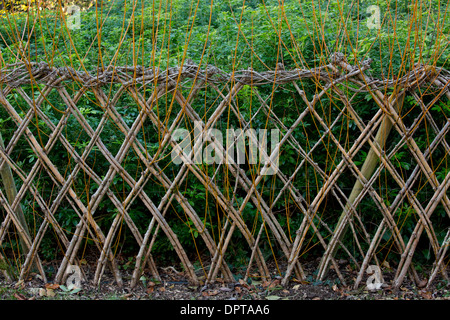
x=75 y=290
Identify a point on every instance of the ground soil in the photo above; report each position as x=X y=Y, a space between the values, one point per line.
x=174 y=286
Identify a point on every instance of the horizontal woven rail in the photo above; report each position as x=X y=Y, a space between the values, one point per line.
x=141 y=155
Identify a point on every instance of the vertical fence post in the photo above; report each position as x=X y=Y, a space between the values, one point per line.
x=11 y=193
x=367 y=170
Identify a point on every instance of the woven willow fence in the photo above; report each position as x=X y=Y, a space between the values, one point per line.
x=339 y=82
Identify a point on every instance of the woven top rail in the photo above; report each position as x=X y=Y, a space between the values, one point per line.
x=22 y=73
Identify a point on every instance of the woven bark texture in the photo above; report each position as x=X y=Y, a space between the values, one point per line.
x=127 y=118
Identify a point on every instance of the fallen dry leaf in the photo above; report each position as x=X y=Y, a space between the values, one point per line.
x=52 y=286
x=19 y=296
x=425 y=294
x=274 y=284
x=162 y=289
x=150 y=289
x=42 y=292
x=316 y=298
x=50 y=293
x=296 y=287
x=214 y=293
x=244 y=284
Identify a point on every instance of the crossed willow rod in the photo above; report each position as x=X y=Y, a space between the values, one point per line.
x=17 y=75
x=11 y=193
x=395 y=101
